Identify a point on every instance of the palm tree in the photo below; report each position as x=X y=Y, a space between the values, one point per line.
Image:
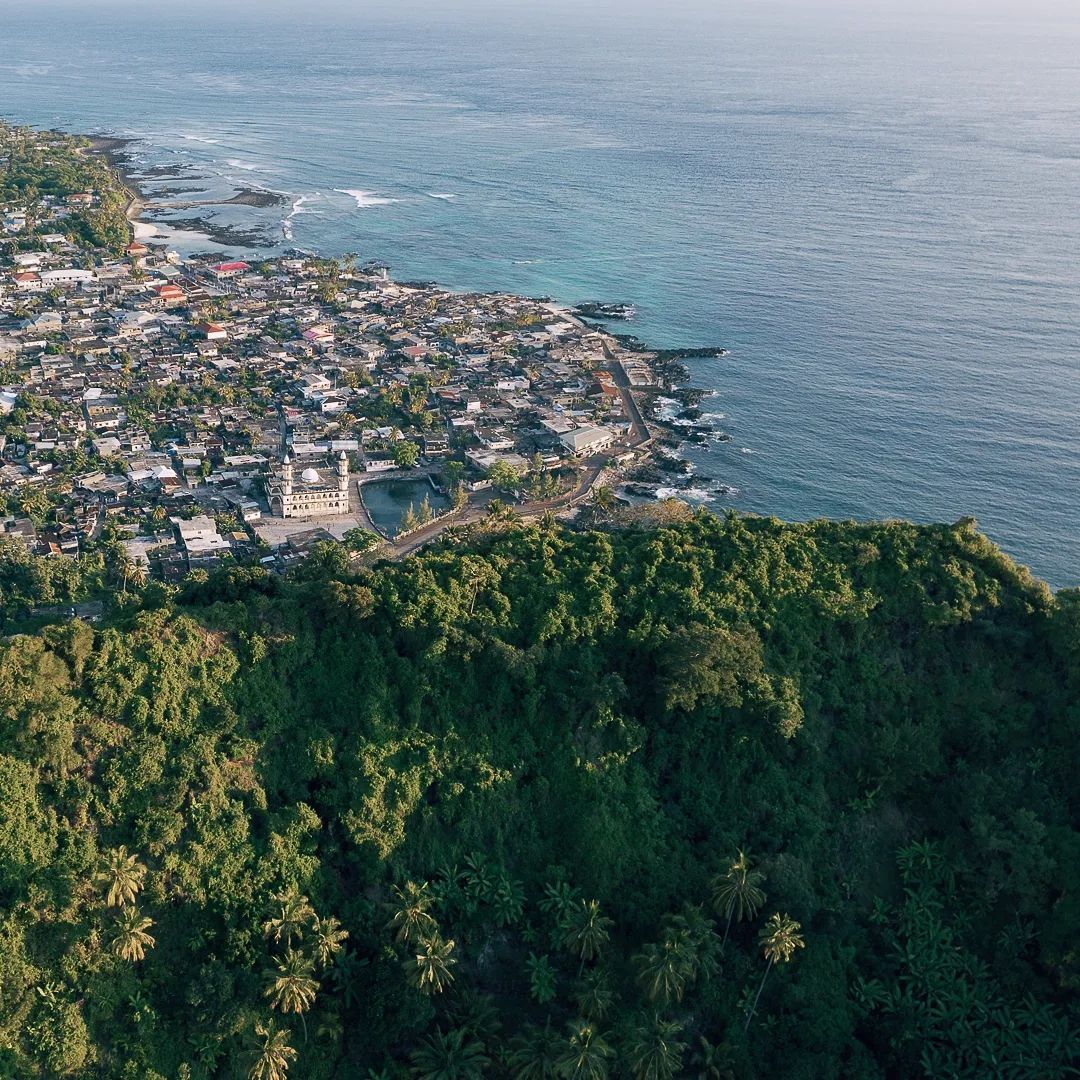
x=665 y=968
x=700 y=933
x=293 y=986
x=779 y=940
x=559 y=899
x=585 y=931
x=738 y=893
x=34 y=504
x=275 y=1055
x=295 y=913
x=712 y=1062
x=477 y=877
x=138 y=574
x=412 y=920
x=535 y=1053
x=542 y=980
x=429 y=970
x=449 y=1055
x=132 y=940
x=328 y=939
x=123 y=874
x=655 y=1051
x=477 y=1013
x=498 y=510
x=346 y=978
x=508 y=900
x=586 y=1054
x=603 y=498
x=595 y=998
x=122 y=567
x=330 y=1027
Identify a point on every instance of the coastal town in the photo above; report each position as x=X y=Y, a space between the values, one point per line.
x=191 y=410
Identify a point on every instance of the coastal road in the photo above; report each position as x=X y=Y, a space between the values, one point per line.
x=477 y=509
x=593 y=469
x=642 y=435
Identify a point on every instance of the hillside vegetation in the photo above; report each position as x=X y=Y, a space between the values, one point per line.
x=727 y=798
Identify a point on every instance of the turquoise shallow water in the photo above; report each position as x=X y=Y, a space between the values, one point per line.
x=879 y=216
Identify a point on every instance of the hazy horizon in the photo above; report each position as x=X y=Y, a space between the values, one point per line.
x=863 y=10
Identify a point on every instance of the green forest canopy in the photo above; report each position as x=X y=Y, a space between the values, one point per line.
x=33 y=165
x=553 y=804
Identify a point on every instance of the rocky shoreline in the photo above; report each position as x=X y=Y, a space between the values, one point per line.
x=147 y=207
x=672 y=410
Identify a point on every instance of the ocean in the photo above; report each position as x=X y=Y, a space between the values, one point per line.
x=879 y=215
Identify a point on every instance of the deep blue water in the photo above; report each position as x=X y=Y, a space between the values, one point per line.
x=879 y=215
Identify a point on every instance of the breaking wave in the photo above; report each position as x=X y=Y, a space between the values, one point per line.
x=297 y=207
x=690 y=494
x=366 y=199
x=667 y=408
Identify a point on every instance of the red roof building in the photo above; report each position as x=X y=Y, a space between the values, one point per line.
x=170 y=294
x=231 y=269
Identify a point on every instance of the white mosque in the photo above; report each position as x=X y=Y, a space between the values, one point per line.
x=310 y=494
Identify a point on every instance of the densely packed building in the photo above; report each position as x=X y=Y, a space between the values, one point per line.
x=141 y=387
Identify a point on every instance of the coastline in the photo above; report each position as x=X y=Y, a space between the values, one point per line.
x=111 y=149
x=658 y=430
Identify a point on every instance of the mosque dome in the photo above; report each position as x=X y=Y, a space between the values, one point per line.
x=311 y=476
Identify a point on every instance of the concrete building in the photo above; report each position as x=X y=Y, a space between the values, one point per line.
x=200 y=539
x=588 y=440
x=69 y=275
x=309 y=494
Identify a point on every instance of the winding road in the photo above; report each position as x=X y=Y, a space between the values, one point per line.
x=477 y=508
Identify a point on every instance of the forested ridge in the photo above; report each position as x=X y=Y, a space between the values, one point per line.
x=723 y=798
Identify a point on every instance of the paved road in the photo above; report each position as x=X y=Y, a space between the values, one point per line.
x=622 y=383
x=477 y=510
x=594 y=467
